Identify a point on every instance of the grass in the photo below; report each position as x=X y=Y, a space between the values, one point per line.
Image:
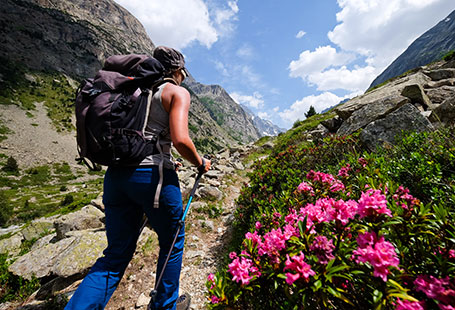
x=44 y=191
x=25 y=88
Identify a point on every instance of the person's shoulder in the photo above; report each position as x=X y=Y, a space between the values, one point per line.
x=176 y=90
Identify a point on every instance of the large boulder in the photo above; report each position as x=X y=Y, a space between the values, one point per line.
x=39 y=263
x=445 y=112
x=439 y=94
x=67 y=257
x=391 y=89
x=441 y=74
x=371 y=112
x=407 y=118
x=81 y=254
x=11 y=245
x=37 y=228
x=89 y=217
x=416 y=93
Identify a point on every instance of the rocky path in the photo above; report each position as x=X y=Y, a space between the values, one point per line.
x=66 y=246
x=204 y=246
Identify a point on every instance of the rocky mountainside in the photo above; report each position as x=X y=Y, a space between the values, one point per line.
x=225 y=111
x=74 y=38
x=430 y=46
x=421 y=100
x=265 y=127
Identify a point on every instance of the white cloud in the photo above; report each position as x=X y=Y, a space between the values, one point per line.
x=300 y=34
x=299 y=108
x=312 y=62
x=354 y=80
x=179 y=23
x=264 y=115
x=245 y=51
x=254 y=101
x=382 y=30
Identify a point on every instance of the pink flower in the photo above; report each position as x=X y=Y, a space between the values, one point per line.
x=439 y=289
x=305 y=187
x=215 y=299
x=232 y=255
x=274 y=242
x=337 y=186
x=408 y=305
x=254 y=237
x=373 y=203
x=211 y=278
x=240 y=269
x=343 y=211
x=452 y=253
x=298 y=265
x=343 y=172
x=379 y=253
x=362 y=161
x=258 y=225
x=322 y=248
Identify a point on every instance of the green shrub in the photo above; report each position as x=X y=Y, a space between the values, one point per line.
x=11 y=165
x=6 y=209
x=14 y=287
x=305 y=208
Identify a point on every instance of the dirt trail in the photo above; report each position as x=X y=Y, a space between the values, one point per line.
x=204 y=246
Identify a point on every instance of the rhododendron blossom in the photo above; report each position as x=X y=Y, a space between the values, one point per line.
x=215 y=300
x=373 y=203
x=240 y=269
x=403 y=194
x=343 y=211
x=408 y=305
x=322 y=248
x=297 y=264
x=343 y=172
x=378 y=252
x=274 y=242
x=439 y=289
x=305 y=187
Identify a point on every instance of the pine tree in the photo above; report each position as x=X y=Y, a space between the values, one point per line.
x=310 y=112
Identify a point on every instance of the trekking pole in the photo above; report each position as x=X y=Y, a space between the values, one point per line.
x=180 y=225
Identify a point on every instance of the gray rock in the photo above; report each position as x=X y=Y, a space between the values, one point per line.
x=43 y=241
x=417 y=95
x=441 y=74
x=41 y=261
x=11 y=245
x=238 y=165
x=87 y=218
x=37 y=228
x=445 y=112
x=332 y=124
x=438 y=95
x=193 y=254
x=81 y=254
x=224 y=169
x=391 y=89
x=213 y=174
x=142 y=301
x=371 y=112
x=206 y=223
x=210 y=193
x=406 y=118
x=437 y=84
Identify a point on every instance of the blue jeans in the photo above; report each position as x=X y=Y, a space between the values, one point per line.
x=128 y=193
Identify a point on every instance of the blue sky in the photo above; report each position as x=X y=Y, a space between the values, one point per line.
x=280 y=57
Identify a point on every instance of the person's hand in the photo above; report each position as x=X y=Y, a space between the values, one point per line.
x=206 y=163
x=177 y=165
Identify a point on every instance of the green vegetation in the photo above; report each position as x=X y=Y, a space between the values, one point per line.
x=449 y=56
x=26 y=88
x=4 y=131
x=41 y=191
x=13 y=287
x=214 y=109
x=297 y=134
x=415 y=182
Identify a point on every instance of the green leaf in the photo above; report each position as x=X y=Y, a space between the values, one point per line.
x=317 y=285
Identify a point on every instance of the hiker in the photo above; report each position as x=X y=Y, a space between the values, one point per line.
x=129 y=192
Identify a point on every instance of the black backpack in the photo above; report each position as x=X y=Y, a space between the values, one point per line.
x=111 y=111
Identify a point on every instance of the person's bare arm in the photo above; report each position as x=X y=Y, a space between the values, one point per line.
x=176 y=101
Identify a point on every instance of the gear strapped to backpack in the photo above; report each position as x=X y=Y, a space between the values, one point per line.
x=112 y=111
